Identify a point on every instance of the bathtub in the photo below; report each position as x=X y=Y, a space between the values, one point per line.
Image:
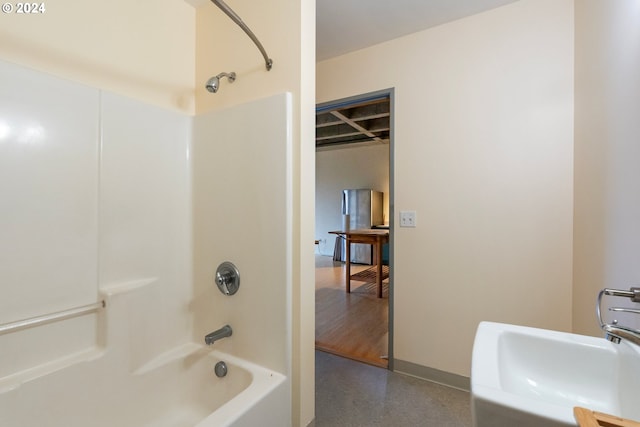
x=177 y=389
x=121 y=382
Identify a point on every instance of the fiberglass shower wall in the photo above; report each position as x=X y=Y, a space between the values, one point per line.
x=242 y=192
x=94 y=191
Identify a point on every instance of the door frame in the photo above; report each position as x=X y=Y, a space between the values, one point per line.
x=390 y=93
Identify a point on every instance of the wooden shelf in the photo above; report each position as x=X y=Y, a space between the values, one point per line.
x=589 y=418
x=369 y=275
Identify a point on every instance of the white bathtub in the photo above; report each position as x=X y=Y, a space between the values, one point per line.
x=123 y=378
x=177 y=389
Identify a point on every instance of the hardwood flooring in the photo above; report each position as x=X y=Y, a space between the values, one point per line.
x=351 y=325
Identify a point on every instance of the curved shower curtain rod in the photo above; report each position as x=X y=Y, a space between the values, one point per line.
x=235 y=18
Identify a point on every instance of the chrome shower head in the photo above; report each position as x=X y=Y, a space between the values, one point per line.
x=214 y=82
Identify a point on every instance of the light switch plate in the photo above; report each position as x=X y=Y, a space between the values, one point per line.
x=407 y=218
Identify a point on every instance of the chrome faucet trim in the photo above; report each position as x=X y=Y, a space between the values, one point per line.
x=614 y=332
x=633 y=294
x=625 y=310
x=214 y=336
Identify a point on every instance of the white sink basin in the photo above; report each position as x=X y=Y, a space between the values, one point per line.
x=534 y=377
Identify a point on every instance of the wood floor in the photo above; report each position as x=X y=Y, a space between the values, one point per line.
x=351 y=325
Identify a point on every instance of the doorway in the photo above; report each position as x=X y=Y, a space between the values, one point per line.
x=354 y=150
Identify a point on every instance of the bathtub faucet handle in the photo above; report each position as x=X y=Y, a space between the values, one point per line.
x=223 y=280
x=228 y=278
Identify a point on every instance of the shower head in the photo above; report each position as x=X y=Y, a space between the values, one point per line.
x=214 y=82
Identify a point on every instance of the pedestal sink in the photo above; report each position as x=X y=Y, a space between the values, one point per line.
x=528 y=377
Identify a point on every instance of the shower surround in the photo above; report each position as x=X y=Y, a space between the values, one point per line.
x=107 y=198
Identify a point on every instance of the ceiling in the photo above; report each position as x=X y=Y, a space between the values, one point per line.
x=353 y=124
x=344 y=26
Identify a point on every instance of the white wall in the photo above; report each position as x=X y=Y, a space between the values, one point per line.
x=49 y=211
x=607 y=202
x=362 y=167
x=145 y=219
x=483 y=153
x=245 y=218
x=95 y=192
x=49 y=168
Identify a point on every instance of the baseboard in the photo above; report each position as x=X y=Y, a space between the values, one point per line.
x=430 y=374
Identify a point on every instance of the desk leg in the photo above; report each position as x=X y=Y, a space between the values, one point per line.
x=348 y=265
x=379 y=266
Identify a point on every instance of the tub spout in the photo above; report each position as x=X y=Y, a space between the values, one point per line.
x=616 y=333
x=214 y=336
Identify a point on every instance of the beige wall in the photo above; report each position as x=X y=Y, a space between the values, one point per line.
x=483 y=153
x=607 y=202
x=143 y=49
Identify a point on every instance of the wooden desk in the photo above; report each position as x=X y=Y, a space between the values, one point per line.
x=367 y=236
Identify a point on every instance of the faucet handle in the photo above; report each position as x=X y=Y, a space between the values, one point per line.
x=633 y=293
x=228 y=278
x=223 y=280
x=625 y=310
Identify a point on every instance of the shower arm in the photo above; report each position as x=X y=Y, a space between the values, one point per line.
x=235 y=18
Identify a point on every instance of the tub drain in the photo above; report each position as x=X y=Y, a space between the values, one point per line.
x=221 y=369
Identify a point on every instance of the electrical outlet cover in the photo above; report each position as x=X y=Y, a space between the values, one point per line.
x=407 y=218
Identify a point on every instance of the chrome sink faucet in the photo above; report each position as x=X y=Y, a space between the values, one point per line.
x=614 y=332
x=214 y=336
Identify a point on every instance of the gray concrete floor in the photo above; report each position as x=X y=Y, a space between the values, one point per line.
x=353 y=394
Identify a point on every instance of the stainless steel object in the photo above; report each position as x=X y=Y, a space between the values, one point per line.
x=625 y=310
x=213 y=84
x=221 y=369
x=365 y=210
x=235 y=18
x=633 y=294
x=214 y=336
x=614 y=332
x=228 y=278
